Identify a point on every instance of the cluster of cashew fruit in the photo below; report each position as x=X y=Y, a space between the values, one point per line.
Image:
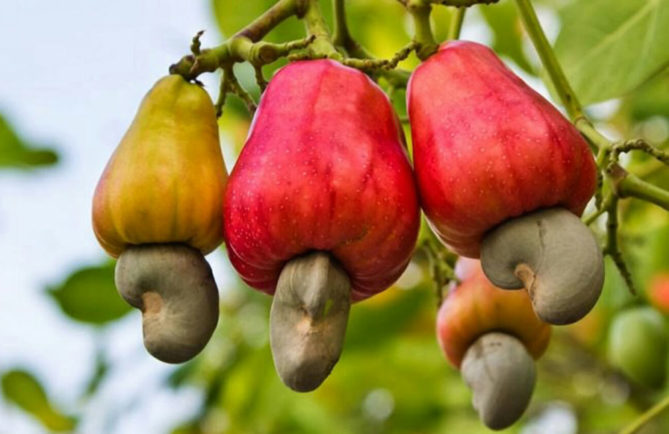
x=492 y=336
x=322 y=210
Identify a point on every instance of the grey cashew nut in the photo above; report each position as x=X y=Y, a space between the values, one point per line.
x=501 y=374
x=308 y=320
x=554 y=256
x=173 y=286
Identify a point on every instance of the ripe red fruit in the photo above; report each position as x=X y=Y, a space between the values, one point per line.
x=487 y=147
x=504 y=176
x=323 y=170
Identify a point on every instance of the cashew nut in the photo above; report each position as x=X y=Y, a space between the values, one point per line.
x=173 y=286
x=554 y=256
x=308 y=320
x=501 y=374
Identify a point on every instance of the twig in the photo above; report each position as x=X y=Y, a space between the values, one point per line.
x=612 y=249
x=646 y=417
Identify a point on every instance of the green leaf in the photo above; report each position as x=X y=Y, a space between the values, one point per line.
x=89 y=295
x=610 y=48
x=505 y=25
x=99 y=374
x=23 y=390
x=16 y=153
x=652 y=99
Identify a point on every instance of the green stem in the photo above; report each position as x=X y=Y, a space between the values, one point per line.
x=456 y=23
x=633 y=186
x=315 y=24
x=341 y=34
x=240 y=47
x=642 y=420
x=549 y=59
x=590 y=132
x=612 y=249
x=420 y=13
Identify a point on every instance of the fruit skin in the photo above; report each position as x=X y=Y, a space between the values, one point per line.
x=637 y=345
x=501 y=374
x=488 y=148
x=323 y=169
x=173 y=286
x=165 y=181
x=476 y=307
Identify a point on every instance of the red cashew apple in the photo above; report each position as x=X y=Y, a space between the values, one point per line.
x=492 y=337
x=157 y=207
x=504 y=176
x=320 y=209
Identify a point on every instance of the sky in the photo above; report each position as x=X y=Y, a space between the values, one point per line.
x=72 y=76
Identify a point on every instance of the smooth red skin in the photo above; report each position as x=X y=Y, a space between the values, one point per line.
x=323 y=169
x=488 y=148
x=476 y=307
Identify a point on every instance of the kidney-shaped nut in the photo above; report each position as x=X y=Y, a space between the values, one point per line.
x=554 y=256
x=308 y=320
x=173 y=286
x=501 y=374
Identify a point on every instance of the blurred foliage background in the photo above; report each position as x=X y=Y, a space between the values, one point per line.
x=392 y=377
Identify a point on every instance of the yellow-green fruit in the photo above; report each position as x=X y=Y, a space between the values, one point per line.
x=165 y=181
x=638 y=345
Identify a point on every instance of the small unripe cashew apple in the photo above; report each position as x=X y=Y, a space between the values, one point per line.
x=321 y=200
x=158 y=208
x=492 y=336
x=503 y=176
x=637 y=344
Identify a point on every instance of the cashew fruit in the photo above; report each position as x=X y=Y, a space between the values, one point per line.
x=158 y=209
x=637 y=344
x=323 y=171
x=165 y=181
x=476 y=307
x=492 y=336
x=489 y=150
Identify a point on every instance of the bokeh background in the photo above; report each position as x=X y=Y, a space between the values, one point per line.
x=71 y=355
